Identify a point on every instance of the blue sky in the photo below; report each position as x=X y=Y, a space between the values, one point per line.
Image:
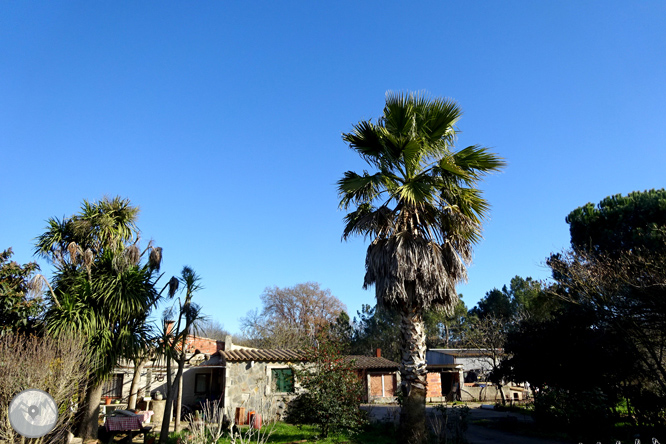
x=222 y=121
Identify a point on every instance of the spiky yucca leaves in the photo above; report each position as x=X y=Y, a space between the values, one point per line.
x=174 y=339
x=109 y=224
x=423 y=212
x=105 y=306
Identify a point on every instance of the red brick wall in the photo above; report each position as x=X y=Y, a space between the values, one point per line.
x=434 y=385
x=204 y=345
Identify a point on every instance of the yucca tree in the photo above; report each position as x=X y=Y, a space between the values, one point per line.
x=423 y=211
x=174 y=342
x=100 y=287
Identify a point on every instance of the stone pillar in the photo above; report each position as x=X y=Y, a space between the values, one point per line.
x=227 y=388
x=158 y=408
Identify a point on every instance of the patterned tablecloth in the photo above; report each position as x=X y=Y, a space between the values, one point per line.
x=145 y=415
x=123 y=423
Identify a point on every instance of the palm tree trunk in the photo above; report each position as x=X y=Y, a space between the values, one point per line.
x=89 y=419
x=414 y=375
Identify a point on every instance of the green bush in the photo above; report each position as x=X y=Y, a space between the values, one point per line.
x=584 y=413
x=333 y=391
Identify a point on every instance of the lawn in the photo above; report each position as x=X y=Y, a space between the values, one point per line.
x=286 y=433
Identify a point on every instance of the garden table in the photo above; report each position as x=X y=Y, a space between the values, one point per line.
x=122 y=424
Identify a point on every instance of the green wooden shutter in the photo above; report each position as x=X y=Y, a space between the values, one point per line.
x=283 y=380
x=288 y=380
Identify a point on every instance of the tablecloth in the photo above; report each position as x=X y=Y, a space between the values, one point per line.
x=123 y=423
x=145 y=415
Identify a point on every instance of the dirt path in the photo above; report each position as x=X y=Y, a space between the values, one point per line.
x=481 y=434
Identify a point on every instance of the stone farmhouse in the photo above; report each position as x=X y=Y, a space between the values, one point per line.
x=245 y=377
x=265 y=376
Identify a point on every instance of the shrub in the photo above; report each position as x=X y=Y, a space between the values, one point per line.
x=450 y=424
x=580 y=413
x=58 y=366
x=333 y=391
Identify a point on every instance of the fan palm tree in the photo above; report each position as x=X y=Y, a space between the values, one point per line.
x=100 y=288
x=423 y=212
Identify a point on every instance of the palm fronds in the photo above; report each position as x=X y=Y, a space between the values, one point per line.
x=421 y=206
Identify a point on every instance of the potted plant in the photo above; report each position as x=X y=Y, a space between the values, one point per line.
x=107 y=400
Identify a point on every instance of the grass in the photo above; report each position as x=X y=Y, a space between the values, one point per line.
x=285 y=433
x=288 y=433
x=523 y=409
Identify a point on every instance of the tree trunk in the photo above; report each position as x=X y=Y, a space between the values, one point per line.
x=90 y=417
x=498 y=380
x=134 y=387
x=179 y=396
x=168 y=411
x=500 y=387
x=414 y=375
x=166 y=419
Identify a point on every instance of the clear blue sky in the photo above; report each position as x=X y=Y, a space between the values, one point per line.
x=222 y=121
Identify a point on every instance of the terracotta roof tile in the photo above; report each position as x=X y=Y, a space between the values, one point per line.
x=240 y=355
x=262 y=355
x=371 y=362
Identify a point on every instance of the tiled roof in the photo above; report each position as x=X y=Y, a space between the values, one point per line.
x=262 y=355
x=240 y=355
x=464 y=352
x=361 y=362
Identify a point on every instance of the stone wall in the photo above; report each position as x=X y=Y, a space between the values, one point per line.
x=488 y=393
x=248 y=385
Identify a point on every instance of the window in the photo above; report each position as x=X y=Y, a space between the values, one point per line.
x=283 y=380
x=201 y=383
x=382 y=385
x=113 y=387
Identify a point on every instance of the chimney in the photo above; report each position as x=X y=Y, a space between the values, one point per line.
x=378 y=353
x=168 y=326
